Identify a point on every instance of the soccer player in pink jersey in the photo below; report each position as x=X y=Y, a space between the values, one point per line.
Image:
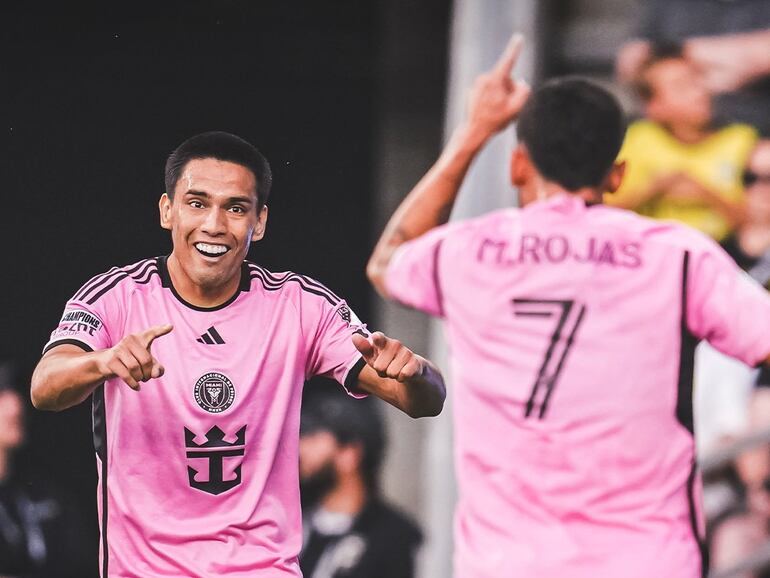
x=571 y=327
x=196 y=363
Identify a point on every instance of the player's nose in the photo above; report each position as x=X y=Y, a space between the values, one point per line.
x=215 y=222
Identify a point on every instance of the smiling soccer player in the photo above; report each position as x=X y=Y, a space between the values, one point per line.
x=198 y=468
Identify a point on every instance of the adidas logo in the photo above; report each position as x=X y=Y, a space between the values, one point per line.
x=211 y=337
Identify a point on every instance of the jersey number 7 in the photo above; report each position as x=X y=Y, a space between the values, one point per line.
x=557 y=351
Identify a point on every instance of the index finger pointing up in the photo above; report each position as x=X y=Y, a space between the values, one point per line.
x=508 y=58
x=151 y=334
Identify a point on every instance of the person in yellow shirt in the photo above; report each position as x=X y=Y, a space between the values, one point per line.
x=679 y=165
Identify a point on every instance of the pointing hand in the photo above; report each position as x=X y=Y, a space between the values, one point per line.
x=131 y=359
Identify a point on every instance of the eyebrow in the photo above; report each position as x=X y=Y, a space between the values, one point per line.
x=205 y=195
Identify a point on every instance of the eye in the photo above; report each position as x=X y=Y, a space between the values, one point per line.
x=195 y=204
x=237 y=209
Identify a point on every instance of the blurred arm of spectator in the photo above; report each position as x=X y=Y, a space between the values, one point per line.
x=731 y=61
x=728 y=61
x=681 y=187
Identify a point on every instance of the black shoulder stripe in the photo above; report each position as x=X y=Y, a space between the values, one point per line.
x=306 y=283
x=115 y=280
x=277 y=282
x=151 y=267
x=148 y=264
x=93 y=280
x=148 y=278
x=270 y=286
x=110 y=276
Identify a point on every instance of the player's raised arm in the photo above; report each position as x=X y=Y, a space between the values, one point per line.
x=66 y=375
x=399 y=376
x=495 y=101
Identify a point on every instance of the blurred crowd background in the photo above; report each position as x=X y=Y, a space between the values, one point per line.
x=350 y=101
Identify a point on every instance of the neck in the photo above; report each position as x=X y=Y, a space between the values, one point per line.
x=348 y=496
x=197 y=294
x=547 y=189
x=688 y=134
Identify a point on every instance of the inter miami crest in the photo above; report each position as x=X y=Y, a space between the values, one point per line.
x=214 y=392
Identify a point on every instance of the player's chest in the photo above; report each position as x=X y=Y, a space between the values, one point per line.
x=218 y=360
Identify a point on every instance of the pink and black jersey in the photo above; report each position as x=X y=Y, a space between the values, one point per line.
x=198 y=471
x=571 y=331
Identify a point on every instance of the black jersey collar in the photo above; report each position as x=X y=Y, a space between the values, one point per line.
x=165 y=279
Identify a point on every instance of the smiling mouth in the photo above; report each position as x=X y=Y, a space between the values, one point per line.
x=209 y=250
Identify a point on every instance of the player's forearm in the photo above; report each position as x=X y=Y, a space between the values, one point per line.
x=430 y=202
x=65 y=379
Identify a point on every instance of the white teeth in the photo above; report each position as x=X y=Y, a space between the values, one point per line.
x=211 y=249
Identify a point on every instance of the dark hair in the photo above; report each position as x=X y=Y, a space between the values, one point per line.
x=658 y=53
x=573 y=130
x=350 y=421
x=224 y=147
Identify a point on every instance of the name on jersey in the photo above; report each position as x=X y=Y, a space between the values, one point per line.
x=78 y=321
x=535 y=249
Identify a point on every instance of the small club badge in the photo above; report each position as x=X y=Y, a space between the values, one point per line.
x=214 y=392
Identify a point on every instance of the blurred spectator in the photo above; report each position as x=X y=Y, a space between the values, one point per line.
x=678 y=164
x=747 y=529
x=39 y=536
x=728 y=41
x=750 y=245
x=349 y=531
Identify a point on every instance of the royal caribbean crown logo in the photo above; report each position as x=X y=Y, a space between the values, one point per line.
x=214 y=392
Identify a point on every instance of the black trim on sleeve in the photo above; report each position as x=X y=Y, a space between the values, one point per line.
x=702 y=546
x=437 y=278
x=99 y=416
x=684 y=407
x=351 y=380
x=81 y=344
x=688 y=342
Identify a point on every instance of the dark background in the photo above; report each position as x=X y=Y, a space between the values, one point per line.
x=96 y=96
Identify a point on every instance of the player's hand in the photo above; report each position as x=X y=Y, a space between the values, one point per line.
x=131 y=359
x=389 y=357
x=496 y=99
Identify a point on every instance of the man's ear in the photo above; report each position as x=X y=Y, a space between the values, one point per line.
x=615 y=176
x=521 y=166
x=259 y=230
x=164 y=206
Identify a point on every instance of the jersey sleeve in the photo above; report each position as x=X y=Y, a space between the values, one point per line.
x=727 y=307
x=333 y=353
x=90 y=324
x=413 y=275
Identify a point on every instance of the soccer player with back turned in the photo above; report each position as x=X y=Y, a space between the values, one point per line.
x=572 y=327
x=198 y=466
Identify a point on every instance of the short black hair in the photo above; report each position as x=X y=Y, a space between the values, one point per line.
x=659 y=52
x=350 y=421
x=573 y=130
x=224 y=147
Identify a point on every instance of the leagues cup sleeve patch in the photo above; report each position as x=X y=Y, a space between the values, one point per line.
x=348 y=315
x=78 y=323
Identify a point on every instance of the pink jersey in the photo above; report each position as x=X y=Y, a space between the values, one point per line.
x=198 y=471
x=571 y=331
